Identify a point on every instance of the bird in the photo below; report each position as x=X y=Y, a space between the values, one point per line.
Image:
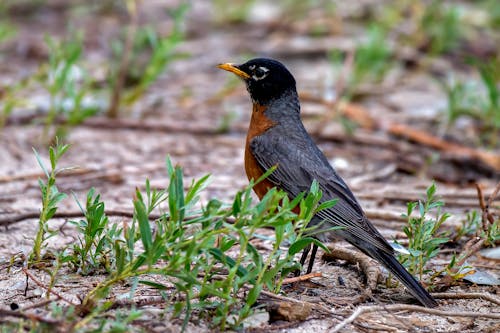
x=277 y=138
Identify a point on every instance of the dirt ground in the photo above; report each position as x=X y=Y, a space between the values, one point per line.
x=198 y=115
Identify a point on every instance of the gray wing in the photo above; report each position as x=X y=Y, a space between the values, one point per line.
x=299 y=162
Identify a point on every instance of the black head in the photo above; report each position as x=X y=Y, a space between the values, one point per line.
x=266 y=79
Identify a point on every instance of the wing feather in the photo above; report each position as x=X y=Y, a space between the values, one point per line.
x=298 y=166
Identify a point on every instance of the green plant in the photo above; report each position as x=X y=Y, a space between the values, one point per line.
x=422 y=232
x=477 y=100
x=492 y=233
x=469 y=226
x=50 y=198
x=96 y=238
x=192 y=247
x=372 y=60
x=142 y=43
x=440 y=27
x=7 y=31
x=478 y=230
x=67 y=84
x=232 y=11
x=162 y=53
x=493 y=10
x=425 y=238
x=9 y=98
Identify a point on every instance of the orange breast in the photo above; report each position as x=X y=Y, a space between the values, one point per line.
x=258 y=125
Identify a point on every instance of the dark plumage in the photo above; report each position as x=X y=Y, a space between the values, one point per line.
x=277 y=137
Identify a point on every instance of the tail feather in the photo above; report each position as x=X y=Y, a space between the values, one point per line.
x=413 y=286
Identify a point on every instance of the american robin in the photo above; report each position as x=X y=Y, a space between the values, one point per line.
x=277 y=137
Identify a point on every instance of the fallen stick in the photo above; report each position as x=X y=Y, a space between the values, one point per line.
x=172 y=126
x=361 y=116
x=301 y=278
x=29 y=316
x=415 y=308
x=484 y=296
x=426 y=139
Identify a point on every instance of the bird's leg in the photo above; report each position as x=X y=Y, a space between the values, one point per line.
x=311 y=258
x=303 y=258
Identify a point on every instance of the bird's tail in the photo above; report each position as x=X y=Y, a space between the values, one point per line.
x=413 y=286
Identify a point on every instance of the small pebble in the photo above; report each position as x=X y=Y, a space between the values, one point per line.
x=341 y=280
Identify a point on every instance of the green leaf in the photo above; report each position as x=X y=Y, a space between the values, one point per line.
x=50 y=212
x=53 y=158
x=253 y=294
x=170 y=167
x=299 y=245
x=314 y=187
x=144 y=227
x=327 y=204
x=302 y=243
x=227 y=261
x=255 y=255
x=415 y=252
x=421 y=208
x=196 y=187
x=431 y=190
x=56 y=198
x=119 y=257
x=40 y=163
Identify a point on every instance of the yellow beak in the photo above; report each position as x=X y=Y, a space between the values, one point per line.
x=233 y=69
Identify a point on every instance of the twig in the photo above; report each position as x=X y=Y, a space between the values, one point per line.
x=405 y=307
x=493 y=195
x=37 y=305
x=471 y=247
x=371 y=326
x=301 y=278
x=487 y=216
x=171 y=127
x=482 y=205
x=483 y=296
x=51 y=291
x=29 y=316
x=426 y=139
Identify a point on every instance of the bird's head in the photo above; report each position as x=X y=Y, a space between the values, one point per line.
x=266 y=79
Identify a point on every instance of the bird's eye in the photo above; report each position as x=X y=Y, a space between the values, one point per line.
x=260 y=73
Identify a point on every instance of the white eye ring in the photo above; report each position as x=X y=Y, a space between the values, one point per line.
x=264 y=70
x=252 y=67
